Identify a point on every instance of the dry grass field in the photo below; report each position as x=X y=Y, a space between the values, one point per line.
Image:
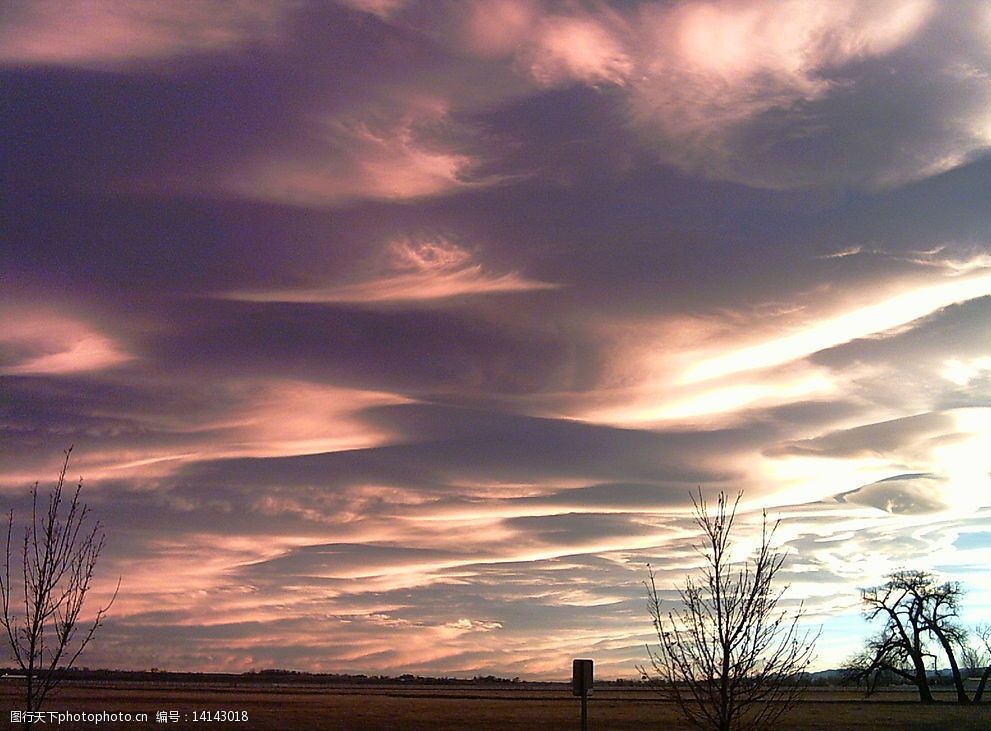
x=442 y=708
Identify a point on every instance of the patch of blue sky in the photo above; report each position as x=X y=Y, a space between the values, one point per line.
x=973 y=540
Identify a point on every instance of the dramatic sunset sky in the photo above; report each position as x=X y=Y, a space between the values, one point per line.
x=392 y=336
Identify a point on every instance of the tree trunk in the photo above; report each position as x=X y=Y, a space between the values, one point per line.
x=922 y=683
x=922 y=680
x=29 y=716
x=983 y=684
x=925 y=695
x=962 y=696
x=726 y=707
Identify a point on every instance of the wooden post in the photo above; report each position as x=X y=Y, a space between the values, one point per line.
x=581 y=685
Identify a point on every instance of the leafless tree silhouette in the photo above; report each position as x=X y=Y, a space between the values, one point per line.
x=42 y=602
x=730 y=658
x=920 y=620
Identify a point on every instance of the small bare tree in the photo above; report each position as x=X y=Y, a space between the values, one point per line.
x=58 y=556
x=730 y=658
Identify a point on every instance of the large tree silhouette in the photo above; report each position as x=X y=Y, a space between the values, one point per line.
x=919 y=616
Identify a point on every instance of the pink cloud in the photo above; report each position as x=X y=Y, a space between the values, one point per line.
x=576 y=48
x=708 y=69
x=114 y=32
x=382 y=8
x=376 y=155
x=494 y=28
x=260 y=418
x=703 y=79
x=549 y=49
x=733 y=59
x=413 y=269
x=49 y=343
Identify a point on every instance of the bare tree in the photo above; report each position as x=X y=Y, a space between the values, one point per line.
x=920 y=622
x=43 y=601
x=730 y=658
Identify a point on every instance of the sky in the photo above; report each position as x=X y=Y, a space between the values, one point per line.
x=395 y=336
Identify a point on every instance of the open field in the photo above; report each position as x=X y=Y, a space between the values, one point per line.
x=421 y=708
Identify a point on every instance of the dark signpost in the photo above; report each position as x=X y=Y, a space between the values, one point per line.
x=581 y=685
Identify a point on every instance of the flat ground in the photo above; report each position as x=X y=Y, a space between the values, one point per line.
x=360 y=708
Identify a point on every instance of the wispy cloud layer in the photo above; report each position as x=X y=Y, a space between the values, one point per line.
x=355 y=158
x=37 y=343
x=411 y=270
x=119 y=32
x=394 y=336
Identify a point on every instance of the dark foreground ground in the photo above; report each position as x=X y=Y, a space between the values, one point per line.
x=420 y=708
